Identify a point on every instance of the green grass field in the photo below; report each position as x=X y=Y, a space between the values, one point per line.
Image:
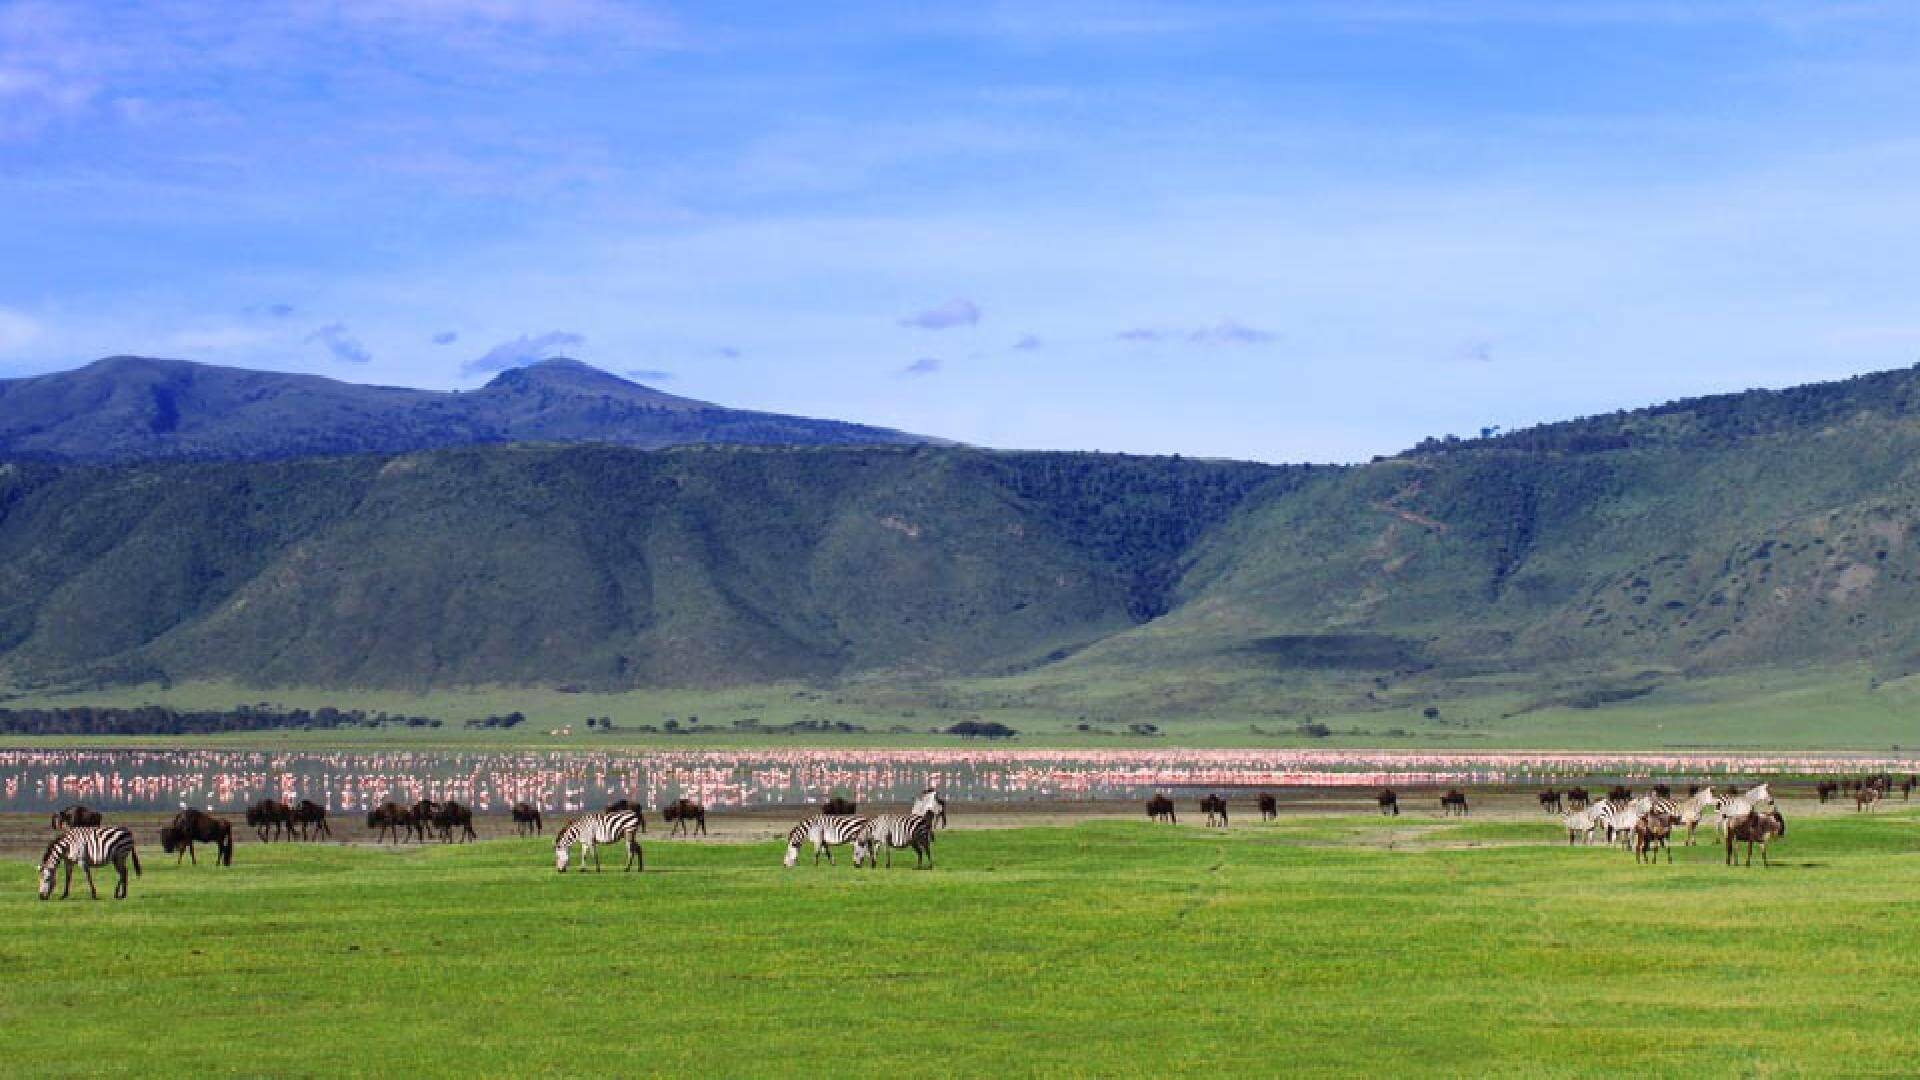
x=1317 y=945
x=1793 y=709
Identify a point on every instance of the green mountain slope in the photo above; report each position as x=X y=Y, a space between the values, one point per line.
x=591 y=565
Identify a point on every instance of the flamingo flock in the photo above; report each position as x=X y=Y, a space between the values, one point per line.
x=564 y=781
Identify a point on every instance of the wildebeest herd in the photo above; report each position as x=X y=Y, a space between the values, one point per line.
x=1644 y=824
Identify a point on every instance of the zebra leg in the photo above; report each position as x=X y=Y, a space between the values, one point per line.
x=120 y=890
x=588 y=848
x=69 y=886
x=87 y=868
x=634 y=856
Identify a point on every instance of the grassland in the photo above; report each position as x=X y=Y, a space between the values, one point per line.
x=1826 y=708
x=1316 y=945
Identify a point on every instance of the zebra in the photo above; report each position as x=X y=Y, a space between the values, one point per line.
x=931 y=804
x=911 y=830
x=1580 y=823
x=1733 y=808
x=596 y=829
x=89 y=846
x=824 y=831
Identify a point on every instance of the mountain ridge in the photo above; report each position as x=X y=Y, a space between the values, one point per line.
x=133 y=408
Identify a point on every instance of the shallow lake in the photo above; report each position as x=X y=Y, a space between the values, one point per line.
x=347 y=781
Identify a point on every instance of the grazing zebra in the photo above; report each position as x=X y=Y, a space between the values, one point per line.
x=90 y=846
x=526 y=820
x=1269 y=807
x=1755 y=828
x=1580 y=823
x=596 y=829
x=824 y=831
x=932 y=804
x=1215 y=808
x=1161 y=807
x=910 y=830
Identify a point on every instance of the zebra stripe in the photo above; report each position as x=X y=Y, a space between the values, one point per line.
x=911 y=830
x=823 y=832
x=931 y=804
x=596 y=829
x=90 y=847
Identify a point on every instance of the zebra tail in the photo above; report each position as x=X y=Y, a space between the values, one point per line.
x=134 y=854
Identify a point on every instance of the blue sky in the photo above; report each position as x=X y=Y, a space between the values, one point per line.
x=1310 y=231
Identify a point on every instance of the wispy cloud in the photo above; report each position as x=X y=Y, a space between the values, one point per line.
x=728 y=352
x=16 y=330
x=955 y=312
x=340 y=344
x=926 y=365
x=1224 y=332
x=446 y=337
x=521 y=351
x=1028 y=342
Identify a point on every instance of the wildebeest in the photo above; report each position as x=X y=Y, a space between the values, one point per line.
x=1389 y=801
x=270 y=818
x=76 y=817
x=1577 y=798
x=1755 y=828
x=1160 y=807
x=1906 y=789
x=309 y=815
x=1826 y=789
x=1621 y=794
x=420 y=819
x=1649 y=833
x=686 y=815
x=449 y=816
x=192 y=827
x=1550 y=802
x=1269 y=807
x=1866 y=797
x=1215 y=808
x=1662 y=791
x=630 y=807
x=526 y=820
x=839 y=806
x=1454 y=802
x=392 y=820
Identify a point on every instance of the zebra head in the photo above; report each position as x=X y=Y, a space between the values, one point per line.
x=794 y=840
x=562 y=849
x=48 y=864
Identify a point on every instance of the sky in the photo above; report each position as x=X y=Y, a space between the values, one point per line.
x=1312 y=231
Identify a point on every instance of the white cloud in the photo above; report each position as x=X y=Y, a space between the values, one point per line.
x=16 y=330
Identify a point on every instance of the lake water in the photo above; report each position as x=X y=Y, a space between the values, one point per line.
x=41 y=780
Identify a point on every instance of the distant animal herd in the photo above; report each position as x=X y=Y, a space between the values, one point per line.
x=1643 y=824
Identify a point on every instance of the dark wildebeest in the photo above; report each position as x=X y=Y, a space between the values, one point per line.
x=628 y=804
x=76 y=817
x=192 y=827
x=686 y=815
x=1649 y=833
x=420 y=819
x=1906 y=789
x=1453 y=802
x=1269 y=807
x=1621 y=795
x=390 y=818
x=270 y=818
x=1662 y=791
x=1215 y=808
x=1160 y=807
x=1577 y=799
x=526 y=820
x=1550 y=802
x=449 y=816
x=1866 y=797
x=1389 y=802
x=1826 y=789
x=839 y=806
x=310 y=815
x=1755 y=828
